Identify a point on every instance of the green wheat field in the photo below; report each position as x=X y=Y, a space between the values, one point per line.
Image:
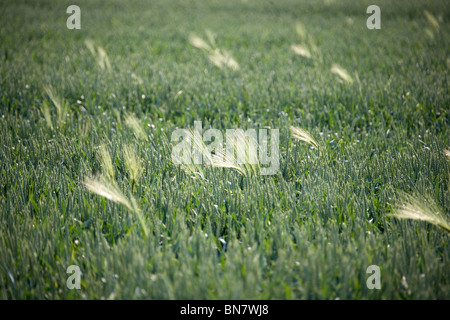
x=87 y=178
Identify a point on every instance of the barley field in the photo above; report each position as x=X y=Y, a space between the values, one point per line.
x=88 y=177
